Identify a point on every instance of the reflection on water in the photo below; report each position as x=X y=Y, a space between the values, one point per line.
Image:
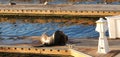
x=74 y=27
x=36 y=29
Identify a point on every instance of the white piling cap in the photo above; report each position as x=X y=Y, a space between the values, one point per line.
x=100 y=20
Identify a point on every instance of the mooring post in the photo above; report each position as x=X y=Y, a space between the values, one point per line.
x=101 y=27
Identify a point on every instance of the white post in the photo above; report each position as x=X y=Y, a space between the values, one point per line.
x=101 y=27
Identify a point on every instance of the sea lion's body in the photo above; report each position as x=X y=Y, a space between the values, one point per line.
x=58 y=38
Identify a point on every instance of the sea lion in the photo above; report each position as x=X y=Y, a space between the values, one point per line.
x=58 y=38
x=46 y=40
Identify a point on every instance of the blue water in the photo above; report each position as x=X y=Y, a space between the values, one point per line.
x=58 y=2
x=83 y=2
x=36 y=29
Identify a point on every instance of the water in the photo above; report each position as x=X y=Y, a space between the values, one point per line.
x=59 y=2
x=37 y=29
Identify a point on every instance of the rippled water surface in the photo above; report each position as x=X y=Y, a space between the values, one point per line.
x=59 y=1
x=36 y=29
